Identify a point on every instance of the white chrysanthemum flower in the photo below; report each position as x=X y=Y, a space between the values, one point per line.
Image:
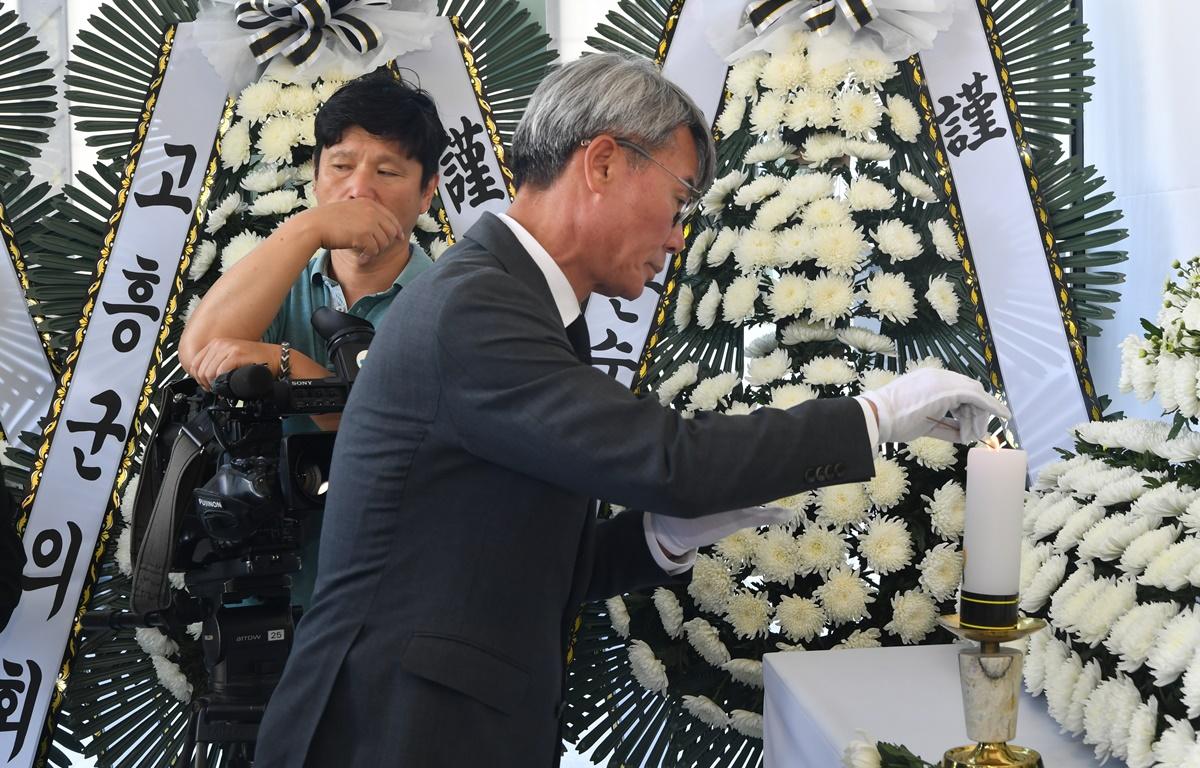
x=684 y=376
x=711 y=584
x=785 y=71
x=1184 y=386
x=154 y=642
x=1060 y=684
x=776 y=557
x=685 y=302
x=723 y=246
x=265 y=178
x=886 y=545
x=841 y=248
x=820 y=148
x=844 y=596
x=1051 y=517
x=793 y=245
x=947 y=510
x=875 y=378
x=766 y=115
x=1047 y=578
x=1107 y=539
x=172 y=678
x=706 y=310
x=706 y=640
x=647 y=669
x=889 y=485
x=1143 y=727
x=869 y=195
x=871 y=151
x=1045 y=652
x=828 y=371
x=1176 y=748
x=768 y=151
x=791 y=395
x=1122 y=491
x=861 y=753
x=1168 y=500
x=943 y=298
x=827 y=212
x=1174 y=646
x=124 y=548
x=761 y=346
x=1087 y=683
x=618 y=615
x=874 y=72
x=711 y=392
x=276 y=203
x=738 y=548
x=764 y=370
x=917 y=187
x=193 y=302
x=747 y=723
x=669 y=610
x=310 y=201
x=1190 y=689
x=746 y=671
x=821 y=550
x=945 y=242
x=859 y=638
x=754 y=250
x=831 y=76
x=800 y=618
x=698 y=250
x=830 y=297
x=932 y=453
x=774 y=213
x=1146 y=547
x=278 y=136
x=842 y=505
x=917 y=364
x=905 y=121
x=914 y=616
x=259 y=100
x=867 y=341
x=743 y=76
x=1112 y=710
x=219 y=215
x=425 y=222
x=941 y=571
x=714 y=199
x=758 y=190
x=891 y=297
x=898 y=240
x=202 y=258
x=298 y=99
x=1077 y=525
x=1113 y=601
x=437 y=248
x=857 y=113
x=810 y=186
x=810 y=108
x=1181 y=449
x=235 y=146
x=801 y=332
x=706 y=711
x=737 y=306
x=788 y=297
x=241 y=244
x=749 y=614
x=326 y=87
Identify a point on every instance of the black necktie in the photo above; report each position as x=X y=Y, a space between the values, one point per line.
x=577 y=334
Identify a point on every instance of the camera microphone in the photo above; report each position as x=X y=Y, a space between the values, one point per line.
x=249 y=382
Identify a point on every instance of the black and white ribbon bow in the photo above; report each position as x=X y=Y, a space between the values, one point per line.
x=819 y=16
x=295 y=29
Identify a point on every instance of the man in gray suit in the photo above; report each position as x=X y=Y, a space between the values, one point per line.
x=459 y=538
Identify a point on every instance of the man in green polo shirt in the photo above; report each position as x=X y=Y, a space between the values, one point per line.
x=375 y=171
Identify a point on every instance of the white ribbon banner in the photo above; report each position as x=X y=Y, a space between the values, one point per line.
x=72 y=496
x=620 y=329
x=1040 y=377
x=26 y=379
x=471 y=177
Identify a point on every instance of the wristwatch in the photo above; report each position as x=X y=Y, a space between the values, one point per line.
x=285 y=360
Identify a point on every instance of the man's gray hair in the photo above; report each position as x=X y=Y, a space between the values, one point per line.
x=622 y=96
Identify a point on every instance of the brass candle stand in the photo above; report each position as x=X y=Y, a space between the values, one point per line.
x=991 y=687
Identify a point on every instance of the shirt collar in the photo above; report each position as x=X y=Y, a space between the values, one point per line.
x=418 y=262
x=560 y=287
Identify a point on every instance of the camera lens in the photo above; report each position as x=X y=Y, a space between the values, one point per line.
x=310 y=480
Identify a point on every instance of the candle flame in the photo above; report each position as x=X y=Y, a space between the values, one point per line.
x=993 y=442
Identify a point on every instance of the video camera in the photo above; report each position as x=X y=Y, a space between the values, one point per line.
x=225 y=498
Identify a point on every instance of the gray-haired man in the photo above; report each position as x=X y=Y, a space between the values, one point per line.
x=476 y=434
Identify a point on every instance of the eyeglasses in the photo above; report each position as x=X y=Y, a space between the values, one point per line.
x=690 y=205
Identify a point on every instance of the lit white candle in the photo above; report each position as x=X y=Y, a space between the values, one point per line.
x=992 y=531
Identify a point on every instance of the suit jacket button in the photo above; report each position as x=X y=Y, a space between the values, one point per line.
x=809 y=477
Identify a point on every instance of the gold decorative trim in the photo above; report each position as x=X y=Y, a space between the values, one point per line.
x=485 y=107
x=668 y=33
x=1061 y=292
x=18 y=262
x=916 y=74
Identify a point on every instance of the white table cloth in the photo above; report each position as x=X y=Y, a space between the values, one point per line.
x=817 y=700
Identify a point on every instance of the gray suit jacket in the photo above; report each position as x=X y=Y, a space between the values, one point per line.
x=458 y=542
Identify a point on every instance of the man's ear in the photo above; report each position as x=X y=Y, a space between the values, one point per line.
x=599 y=161
x=427 y=193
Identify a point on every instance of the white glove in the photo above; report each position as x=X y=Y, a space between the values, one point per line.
x=915 y=405
x=679 y=535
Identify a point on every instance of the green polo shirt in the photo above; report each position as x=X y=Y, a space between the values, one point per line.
x=316 y=287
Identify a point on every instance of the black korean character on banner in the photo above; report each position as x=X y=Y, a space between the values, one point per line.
x=976 y=109
x=17 y=699
x=612 y=341
x=465 y=170
x=128 y=331
x=101 y=430
x=625 y=317
x=611 y=365
x=48 y=552
x=164 y=196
